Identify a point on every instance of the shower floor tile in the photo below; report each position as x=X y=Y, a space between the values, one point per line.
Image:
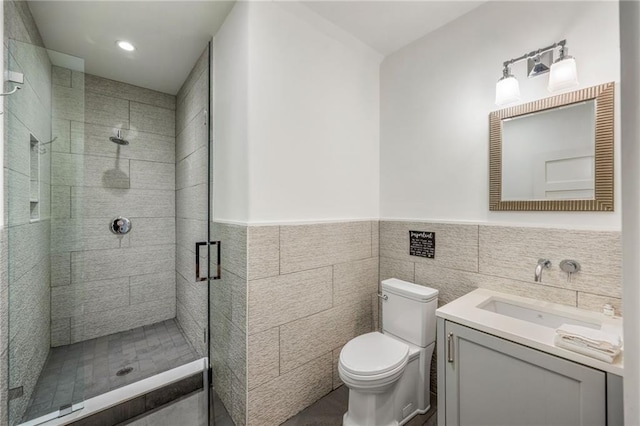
x=87 y=369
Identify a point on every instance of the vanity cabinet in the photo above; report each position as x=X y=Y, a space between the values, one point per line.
x=487 y=380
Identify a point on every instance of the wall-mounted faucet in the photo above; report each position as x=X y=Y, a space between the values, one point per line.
x=542 y=264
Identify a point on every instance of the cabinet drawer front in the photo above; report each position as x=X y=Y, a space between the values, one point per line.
x=492 y=381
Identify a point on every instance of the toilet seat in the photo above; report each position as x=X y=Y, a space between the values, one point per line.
x=372 y=360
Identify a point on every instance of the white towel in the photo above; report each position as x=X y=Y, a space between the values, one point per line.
x=587 y=341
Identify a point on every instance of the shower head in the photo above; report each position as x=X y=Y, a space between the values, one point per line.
x=118 y=139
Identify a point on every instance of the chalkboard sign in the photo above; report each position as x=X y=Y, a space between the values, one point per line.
x=422 y=244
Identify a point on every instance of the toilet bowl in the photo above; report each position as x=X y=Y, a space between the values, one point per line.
x=388 y=373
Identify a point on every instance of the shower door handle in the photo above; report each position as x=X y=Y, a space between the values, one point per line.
x=218 y=270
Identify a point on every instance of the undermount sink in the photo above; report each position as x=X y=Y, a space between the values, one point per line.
x=533 y=314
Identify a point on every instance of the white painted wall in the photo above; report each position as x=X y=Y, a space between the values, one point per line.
x=231 y=99
x=630 y=46
x=437 y=93
x=314 y=118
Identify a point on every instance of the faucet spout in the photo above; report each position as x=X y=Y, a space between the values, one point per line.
x=542 y=264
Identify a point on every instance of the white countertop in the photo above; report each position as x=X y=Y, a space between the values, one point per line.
x=465 y=311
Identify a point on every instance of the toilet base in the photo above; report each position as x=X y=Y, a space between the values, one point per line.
x=370 y=409
x=409 y=396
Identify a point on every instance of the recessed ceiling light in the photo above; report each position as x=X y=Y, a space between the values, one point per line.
x=125 y=45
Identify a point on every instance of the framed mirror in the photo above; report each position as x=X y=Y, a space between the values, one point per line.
x=554 y=154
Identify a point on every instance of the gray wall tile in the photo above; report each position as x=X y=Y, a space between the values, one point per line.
x=152 y=175
x=61 y=131
x=234 y=246
x=148 y=231
x=89 y=297
x=84 y=234
x=193 y=137
x=61 y=76
x=93 y=139
x=60 y=201
x=264 y=357
x=190 y=231
x=36 y=60
x=29 y=245
x=194 y=102
x=464 y=282
x=105 y=111
x=308 y=338
x=263 y=251
x=18 y=145
x=60 y=269
x=151 y=119
x=355 y=281
x=456 y=245
x=312 y=246
x=68 y=103
x=95 y=265
x=18 y=197
x=191 y=202
x=278 y=300
x=89 y=171
x=107 y=202
x=594 y=302
x=276 y=401
x=60 y=332
x=116 y=320
x=129 y=92
x=192 y=170
x=146 y=288
x=394 y=268
x=503 y=253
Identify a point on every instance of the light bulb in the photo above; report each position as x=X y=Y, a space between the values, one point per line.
x=125 y=45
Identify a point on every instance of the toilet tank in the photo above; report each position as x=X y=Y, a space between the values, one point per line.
x=409 y=311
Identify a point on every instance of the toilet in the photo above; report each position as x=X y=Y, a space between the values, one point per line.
x=388 y=373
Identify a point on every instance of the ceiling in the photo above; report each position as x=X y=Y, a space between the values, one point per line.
x=170 y=35
x=386 y=26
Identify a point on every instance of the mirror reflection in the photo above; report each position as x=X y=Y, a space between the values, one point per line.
x=550 y=154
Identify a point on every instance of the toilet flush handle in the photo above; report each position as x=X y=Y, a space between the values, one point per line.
x=383 y=296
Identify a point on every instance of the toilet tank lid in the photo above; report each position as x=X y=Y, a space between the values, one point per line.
x=410 y=290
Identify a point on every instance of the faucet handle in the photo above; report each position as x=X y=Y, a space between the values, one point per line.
x=546 y=263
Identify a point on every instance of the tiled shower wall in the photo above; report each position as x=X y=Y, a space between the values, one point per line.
x=25 y=274
x=229 y=320
x=311 y=288
x=191 y=201
x=103 y=283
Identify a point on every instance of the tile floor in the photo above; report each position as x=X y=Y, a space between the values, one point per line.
x=87 y=369
x=328 y=411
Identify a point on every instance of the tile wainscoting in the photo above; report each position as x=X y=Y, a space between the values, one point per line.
x=503 y=258
x=311 y=288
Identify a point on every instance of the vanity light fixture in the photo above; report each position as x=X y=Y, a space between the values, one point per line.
x=125 y=45
x=507 y=88
x=563 y=73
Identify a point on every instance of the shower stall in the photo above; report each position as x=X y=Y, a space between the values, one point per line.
x=110 y=250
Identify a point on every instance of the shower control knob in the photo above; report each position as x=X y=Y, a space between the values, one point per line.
x=120 y=225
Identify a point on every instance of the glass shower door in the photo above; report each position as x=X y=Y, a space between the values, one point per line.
x=42 y=380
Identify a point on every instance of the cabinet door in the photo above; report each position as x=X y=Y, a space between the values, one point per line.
x=491 y=381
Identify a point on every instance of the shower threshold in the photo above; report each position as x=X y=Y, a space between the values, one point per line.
x=80 y=371
x=141 y=396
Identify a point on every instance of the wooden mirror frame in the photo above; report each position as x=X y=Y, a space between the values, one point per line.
x=603 y=200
